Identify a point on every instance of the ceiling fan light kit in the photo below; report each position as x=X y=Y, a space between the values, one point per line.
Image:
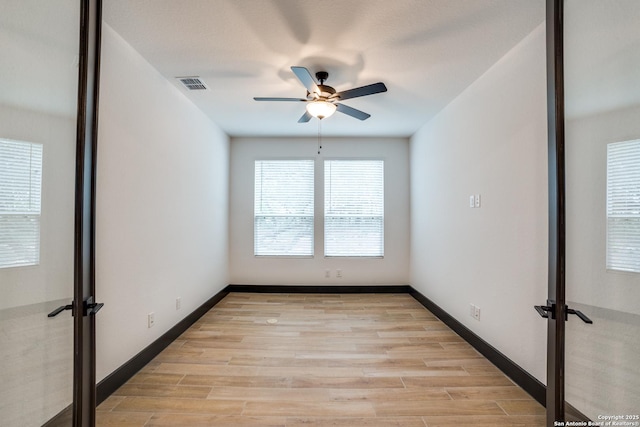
x=322 y=100
x=321 y=109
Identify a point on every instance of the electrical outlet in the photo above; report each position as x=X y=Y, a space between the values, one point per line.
x=178 y=303
x=151 y=319
x=474 y=311
x=339 y=273
x=327 y=274
x=477 y=200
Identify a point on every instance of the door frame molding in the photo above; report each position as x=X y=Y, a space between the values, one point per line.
x=84 y=352
x=557 y=244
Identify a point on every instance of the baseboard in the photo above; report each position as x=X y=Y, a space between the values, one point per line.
x=321 y=289
x=572 y=414
x=121 y=375
x=526 y=381
x=63 y=419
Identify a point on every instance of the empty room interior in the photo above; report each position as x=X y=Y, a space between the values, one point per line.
x=320 y=213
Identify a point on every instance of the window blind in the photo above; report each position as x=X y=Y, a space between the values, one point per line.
x=623 y=206
x=20 y=194
x=354 y=208
x=283 y=208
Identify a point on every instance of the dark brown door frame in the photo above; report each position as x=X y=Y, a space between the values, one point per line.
x=556 y=143
x=88 y=91
x=84 y=354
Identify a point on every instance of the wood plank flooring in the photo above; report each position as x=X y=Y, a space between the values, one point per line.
x=373 y=360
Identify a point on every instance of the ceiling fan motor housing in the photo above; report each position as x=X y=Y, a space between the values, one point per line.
x=325 y=91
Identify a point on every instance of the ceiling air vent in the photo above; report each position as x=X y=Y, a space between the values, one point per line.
x=192 y=83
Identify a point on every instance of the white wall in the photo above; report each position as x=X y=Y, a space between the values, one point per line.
x=245 y=268
x=491 y=140
x=162 y=206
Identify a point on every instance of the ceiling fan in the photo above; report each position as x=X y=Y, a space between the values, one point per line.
x=322 y=100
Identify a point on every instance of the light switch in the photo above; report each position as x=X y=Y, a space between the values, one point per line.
x=472 y=201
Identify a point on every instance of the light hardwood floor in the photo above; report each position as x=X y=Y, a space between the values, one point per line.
x=373 y=360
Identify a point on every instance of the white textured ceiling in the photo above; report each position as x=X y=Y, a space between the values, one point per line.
x=425 y=51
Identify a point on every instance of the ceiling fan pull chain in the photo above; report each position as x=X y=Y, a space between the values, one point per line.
x=319 y=136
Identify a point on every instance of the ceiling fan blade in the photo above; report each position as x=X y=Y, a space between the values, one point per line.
x=279 y=99
x=307 y=80
x=361 y=115
x=361 y=91
x=305 y=117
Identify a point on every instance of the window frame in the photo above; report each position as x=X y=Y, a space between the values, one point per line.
x=313 y=209
x=324 y=207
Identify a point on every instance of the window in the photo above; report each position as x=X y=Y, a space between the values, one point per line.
x=20 y=187
x=354 y=208
x=623 y=206
x=283 y=208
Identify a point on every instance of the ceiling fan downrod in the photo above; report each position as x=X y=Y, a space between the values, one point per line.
x=322 y=76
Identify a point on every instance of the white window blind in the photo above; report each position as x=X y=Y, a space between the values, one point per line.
x=20 y=188
x=354 y=208
x=623 y=206
x=283 y=208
